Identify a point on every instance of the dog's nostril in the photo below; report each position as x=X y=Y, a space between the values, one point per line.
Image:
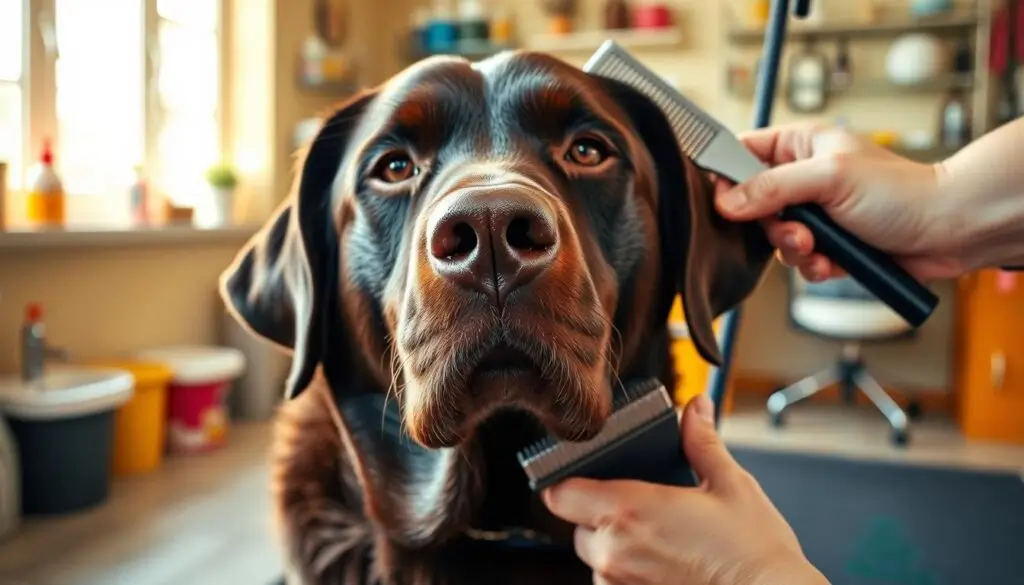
x=455 y=243
x=465 y=237
x=525 y=234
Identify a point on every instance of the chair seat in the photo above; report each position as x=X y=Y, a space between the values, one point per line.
x=847 y=318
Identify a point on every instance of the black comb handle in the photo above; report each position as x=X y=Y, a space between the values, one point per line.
x=875 y=270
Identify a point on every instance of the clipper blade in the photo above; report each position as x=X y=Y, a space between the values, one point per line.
x=640 y=440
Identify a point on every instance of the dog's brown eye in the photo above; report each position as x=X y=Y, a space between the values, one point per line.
x=396 y=168
x=588 y=152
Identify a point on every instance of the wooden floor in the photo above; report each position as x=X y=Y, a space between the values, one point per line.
x=204 y=520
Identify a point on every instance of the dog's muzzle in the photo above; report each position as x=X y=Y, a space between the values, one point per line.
x=492 y=239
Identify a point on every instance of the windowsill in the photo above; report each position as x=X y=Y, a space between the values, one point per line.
x=89 y=237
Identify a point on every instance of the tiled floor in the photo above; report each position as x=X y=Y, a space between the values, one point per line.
x=201 y=521
x=204 y=521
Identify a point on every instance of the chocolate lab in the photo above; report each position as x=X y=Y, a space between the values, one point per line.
x=472 y=255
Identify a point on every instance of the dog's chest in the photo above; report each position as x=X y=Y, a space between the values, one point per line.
x=496 y=564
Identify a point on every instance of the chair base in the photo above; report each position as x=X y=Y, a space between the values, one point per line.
x=851 y=376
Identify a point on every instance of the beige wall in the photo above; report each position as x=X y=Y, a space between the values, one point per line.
x=102 y=301
x=106 y=301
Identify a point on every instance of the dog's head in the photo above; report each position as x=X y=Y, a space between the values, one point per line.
x=488 y=238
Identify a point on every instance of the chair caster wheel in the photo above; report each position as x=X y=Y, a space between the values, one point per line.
x=900 y=438
x=914 y=410
x=776 y=419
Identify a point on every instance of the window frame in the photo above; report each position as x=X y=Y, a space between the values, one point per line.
x=39 y=85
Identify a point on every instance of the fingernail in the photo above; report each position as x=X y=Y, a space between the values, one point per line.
x=733 y=199
x=703 y=407
x=546 y=496
x=791 y=241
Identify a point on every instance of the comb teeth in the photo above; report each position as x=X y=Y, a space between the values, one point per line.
x=692 y=129
x=634 y=391
x=639 y=403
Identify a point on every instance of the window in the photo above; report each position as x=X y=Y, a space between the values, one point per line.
x=11 y=88
x=113 y=84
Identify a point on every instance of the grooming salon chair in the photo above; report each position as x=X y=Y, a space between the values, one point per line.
x=842 y=310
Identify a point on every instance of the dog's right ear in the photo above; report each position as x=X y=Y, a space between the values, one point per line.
x=283 y=282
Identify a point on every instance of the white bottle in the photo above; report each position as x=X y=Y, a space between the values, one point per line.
x=313 y=54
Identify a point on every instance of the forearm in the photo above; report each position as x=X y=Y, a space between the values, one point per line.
x=981 y=190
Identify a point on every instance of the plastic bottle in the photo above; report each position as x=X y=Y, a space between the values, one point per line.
x=45 y=199
x=841 y=75
x=501 y=27
x=33 y=341
x=473 y=23
x=139 y=198
x=313 y=53
x=955 y=125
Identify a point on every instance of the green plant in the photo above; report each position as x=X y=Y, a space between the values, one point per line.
x=222 y=176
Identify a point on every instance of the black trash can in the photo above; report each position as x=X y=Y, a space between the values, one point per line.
x=65 y=440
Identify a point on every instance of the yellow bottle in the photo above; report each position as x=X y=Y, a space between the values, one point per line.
x=759 y=12
x=45 y=198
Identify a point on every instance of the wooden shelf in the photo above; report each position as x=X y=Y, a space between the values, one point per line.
x=940 y=26
x=867 y=87
x=329 y=87
x=467 y=49
x=122 y=237
x=591 y=40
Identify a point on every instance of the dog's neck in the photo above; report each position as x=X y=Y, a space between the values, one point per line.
x=419 y=497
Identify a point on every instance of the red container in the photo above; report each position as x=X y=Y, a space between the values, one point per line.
x=652 y=16
x=197 y=417
x=197 y=407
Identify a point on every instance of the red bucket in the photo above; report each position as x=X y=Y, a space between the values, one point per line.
x=197 y=407
x=197 y=417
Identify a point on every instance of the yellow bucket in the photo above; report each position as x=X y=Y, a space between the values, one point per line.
x=140 y=424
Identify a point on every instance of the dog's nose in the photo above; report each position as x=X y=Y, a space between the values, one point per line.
x=492 y=239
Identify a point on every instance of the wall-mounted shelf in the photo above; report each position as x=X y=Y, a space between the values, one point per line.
x=472 y=50
x=591 y=40
x=329 y=87
x=870 y=87
x=123 y=237
x=956 y=25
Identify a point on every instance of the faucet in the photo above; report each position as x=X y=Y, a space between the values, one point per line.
x=34 y=349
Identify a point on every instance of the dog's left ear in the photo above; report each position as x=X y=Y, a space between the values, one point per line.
x=283 y=283
x=713 y=263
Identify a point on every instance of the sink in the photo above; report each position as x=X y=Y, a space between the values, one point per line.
x=65 y=391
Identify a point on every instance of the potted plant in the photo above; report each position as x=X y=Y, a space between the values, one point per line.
x=222 y=180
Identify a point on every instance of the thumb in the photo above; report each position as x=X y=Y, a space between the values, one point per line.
x=703 y=447
x=768 y=192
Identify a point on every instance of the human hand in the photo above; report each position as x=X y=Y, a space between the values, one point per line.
x=890 y=202
x=724 y=532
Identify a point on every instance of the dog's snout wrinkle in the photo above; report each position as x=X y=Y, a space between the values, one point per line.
x=492 y=239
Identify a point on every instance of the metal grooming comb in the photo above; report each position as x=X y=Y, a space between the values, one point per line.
x=714 y=148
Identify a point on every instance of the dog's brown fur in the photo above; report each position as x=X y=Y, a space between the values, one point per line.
x=387 y=458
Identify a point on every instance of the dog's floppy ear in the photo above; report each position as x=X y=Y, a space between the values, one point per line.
x=713 y=263
x=282 y=284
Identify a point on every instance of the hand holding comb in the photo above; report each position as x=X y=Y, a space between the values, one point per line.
x=714 y=148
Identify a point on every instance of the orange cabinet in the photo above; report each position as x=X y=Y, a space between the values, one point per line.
x=989 y=350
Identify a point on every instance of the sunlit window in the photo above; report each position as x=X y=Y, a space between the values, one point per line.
x=11 y=56
x=129 y=82
x=188 y=139
x=100 y=87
